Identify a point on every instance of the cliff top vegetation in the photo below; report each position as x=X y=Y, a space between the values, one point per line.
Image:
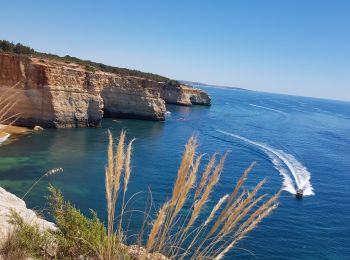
x=20 y=49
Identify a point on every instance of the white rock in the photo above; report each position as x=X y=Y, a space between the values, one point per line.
x=38 y=128
x=9 y=201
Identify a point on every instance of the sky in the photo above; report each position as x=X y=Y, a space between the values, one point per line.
x=298 y=47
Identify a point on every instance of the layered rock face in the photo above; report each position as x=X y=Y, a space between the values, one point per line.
x=132 y=98
x=184 y=95
x=50 y=95
x=53 y=93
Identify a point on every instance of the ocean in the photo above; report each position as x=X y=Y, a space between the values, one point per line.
x=297 y=142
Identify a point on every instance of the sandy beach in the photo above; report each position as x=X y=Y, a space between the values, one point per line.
x=6 y=131
x=12 y=130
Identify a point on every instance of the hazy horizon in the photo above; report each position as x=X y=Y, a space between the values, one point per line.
x=290 y=47
x=263 y=91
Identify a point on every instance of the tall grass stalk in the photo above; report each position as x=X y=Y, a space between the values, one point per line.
x=118 y=168
x=48 y=173
x=174 y=234
x=127 y=174
x=7 y=103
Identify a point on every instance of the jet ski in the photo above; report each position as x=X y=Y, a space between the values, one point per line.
x=299 y=194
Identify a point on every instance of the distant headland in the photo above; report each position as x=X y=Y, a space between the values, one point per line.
x=200 y=84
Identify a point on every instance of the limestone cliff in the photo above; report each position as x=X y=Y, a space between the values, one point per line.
x=184 y=95
x=53 y=93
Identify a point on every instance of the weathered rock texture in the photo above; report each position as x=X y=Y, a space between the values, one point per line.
x=183 y=95
x=9 y=202
x=53 y=93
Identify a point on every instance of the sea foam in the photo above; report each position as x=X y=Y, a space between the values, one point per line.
x=268 y=108
x=4 y=138
x=295 y=175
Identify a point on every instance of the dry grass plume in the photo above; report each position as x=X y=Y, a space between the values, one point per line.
x=178 y=235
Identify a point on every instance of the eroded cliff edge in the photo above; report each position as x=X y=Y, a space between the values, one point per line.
x=53 y=93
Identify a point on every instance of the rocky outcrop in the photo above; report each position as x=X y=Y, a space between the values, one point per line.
x=52 y=93
x=49 y=95
x=9 y=203
x=184 y=95
x=129 y=98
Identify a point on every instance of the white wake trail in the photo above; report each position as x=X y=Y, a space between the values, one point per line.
x=286 y=164
x=268 y=108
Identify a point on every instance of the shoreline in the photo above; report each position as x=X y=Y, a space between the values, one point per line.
x=6 y=131
x=4 y=136
x=13 y=130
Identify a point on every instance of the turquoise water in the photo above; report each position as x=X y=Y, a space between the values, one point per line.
x=289 y=137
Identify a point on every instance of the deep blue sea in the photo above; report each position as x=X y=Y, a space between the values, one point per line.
x=295 y=141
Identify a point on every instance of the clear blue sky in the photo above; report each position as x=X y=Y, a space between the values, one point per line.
x=299 y=47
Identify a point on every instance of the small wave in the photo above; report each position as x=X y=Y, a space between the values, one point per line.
x=167 y=113
x=271 y=109
x=287 y=166
x=4 y=138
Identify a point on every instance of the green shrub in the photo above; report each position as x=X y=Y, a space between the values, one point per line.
x=76 y=235
x=79 y=235
x=26 y=240
x=90 y=68
x=7 y=46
